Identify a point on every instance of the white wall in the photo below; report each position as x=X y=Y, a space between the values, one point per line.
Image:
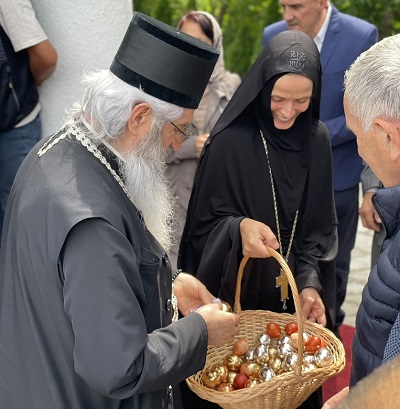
x=86 y=35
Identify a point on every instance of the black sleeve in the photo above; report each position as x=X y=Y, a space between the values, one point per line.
x=113 y=352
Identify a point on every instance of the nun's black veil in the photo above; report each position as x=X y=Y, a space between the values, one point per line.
x=283 y=54
x=232 y=182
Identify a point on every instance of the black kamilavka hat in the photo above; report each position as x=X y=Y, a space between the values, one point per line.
x=164 y=62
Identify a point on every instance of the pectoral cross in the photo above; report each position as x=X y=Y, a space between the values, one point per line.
x=283 y=282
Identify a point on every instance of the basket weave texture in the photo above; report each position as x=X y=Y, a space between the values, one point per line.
x=288 y=390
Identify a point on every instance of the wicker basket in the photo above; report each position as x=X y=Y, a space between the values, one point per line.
x=288 y=390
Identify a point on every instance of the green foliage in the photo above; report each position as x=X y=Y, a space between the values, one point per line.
x=163 y=11
x=242 y=26
x=385 y=14
x=191 y=5
x=242 y=22
x=143 y=6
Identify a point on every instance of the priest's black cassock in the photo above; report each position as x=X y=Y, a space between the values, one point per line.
x=85 y=288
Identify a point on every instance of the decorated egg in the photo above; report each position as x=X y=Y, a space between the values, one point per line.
x=266 y=374
x=233 y=362
x=252 y=382
x=249 y=355
x=223 y=371
x=323 y=357
x=264 y=339
x=226 y=387
x=211 y=378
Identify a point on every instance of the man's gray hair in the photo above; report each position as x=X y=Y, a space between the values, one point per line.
x=108 y=101
x=372 y=83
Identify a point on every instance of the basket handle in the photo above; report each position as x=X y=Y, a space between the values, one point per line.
x=286 y=271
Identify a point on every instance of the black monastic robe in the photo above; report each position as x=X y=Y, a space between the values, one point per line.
x=233 y=181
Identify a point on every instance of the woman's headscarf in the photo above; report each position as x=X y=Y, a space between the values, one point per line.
x=222 y=83
x=216 y=39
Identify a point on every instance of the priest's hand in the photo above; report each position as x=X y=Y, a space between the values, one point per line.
x=312 y=307
x=191 y=293
x=193 y=296
x=221 y=326
x=256 y=237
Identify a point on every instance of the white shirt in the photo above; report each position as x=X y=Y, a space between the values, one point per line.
x=320 y=37
x=19 y=22
x=18 y=19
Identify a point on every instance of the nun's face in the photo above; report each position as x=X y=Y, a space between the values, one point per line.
x=290 y=97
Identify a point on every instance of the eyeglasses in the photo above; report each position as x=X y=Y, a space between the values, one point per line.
x=185 y=132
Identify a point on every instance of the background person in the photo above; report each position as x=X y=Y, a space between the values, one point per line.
x=340 y=38
x=85 y=280
x=219 y=90
x=371 y=103
x=32 y=60
x=265 y=179
x=377 y=390
x=369 y=216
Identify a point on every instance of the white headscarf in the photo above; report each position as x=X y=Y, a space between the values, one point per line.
x=219 y=68
x=221 y=78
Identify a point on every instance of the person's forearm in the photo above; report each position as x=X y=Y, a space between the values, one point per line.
x=42 y=61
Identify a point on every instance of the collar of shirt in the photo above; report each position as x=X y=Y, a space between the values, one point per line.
x=104 y=142
x=320 y=37
x=113 y=150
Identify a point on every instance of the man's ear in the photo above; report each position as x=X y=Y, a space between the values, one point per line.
x=391 y=130
x=140 y=120
x=323 y=4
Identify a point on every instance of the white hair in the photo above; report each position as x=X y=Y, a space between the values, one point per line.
x=144 y=173
x=372 y=83
x=108 y=101
x=105 y=109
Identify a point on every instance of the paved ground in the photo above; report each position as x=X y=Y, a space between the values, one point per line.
x=359 y=270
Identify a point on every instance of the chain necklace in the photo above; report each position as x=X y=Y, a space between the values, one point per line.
x=281 y=280
x=71 y=129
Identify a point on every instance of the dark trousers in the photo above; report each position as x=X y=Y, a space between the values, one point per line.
x=346 y=203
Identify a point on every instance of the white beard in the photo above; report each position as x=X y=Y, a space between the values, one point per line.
x=147 y=185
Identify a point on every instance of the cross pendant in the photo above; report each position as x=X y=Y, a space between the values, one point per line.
x=283 y=282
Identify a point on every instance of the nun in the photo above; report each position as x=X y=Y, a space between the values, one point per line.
x=265 y=180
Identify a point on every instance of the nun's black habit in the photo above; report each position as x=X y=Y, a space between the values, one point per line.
x=233 y=182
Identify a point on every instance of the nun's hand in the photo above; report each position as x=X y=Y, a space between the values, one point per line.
x=256 y=237
x=312 y=307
